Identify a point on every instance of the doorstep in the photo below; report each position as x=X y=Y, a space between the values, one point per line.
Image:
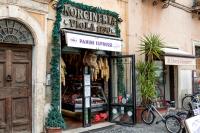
x=85 y=129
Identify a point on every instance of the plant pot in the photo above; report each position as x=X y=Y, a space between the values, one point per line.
x=139 y=110
x=53 y=130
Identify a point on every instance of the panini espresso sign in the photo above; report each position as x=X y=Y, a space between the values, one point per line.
x=75 y=18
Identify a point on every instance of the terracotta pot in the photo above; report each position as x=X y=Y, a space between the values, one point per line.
x=53 y=130
x=139 y=110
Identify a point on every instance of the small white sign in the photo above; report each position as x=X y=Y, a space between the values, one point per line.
x=171 y=60
x=91 y=42
x=87 y=102
x=87 y=91
x=87 y=79
x=122 y=110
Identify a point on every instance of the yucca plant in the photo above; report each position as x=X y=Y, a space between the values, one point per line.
x=150 y=46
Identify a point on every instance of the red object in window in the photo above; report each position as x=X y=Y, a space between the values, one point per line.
x=199 y=82
x=104 y=115
x=97 y=118
x=120 y=99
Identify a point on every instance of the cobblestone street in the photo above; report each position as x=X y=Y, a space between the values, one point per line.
x=139 y=128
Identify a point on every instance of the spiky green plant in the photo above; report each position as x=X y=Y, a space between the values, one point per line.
x=146 y=79
x=150 y=46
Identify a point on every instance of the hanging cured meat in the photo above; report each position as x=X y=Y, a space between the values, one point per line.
x=63 y=72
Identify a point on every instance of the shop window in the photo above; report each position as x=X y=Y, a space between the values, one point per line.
x=160 y=84
x=196 y=81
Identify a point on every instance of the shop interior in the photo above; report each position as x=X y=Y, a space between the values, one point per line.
x=72 y=65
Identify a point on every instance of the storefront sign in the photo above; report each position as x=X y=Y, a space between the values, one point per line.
x=75 y=18
x=171 y=60
x=90 y=42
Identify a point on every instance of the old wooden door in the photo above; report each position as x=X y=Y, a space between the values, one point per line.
x=15 y=89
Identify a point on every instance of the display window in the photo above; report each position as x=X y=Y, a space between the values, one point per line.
x=160 y=86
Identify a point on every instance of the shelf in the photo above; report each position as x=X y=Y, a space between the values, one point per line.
x=94 y=109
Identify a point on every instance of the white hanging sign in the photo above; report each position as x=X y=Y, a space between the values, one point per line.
x=91 y=42
x=171 y=60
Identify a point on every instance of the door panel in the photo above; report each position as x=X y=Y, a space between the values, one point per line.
x=3 y=119
x=20 y=55
x=20 y=117
x=15 y=90
x=20 y=74
x=2 y=74
x=122 y=91
x=2 y=54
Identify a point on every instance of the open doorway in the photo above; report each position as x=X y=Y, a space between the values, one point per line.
x=171 y=83
x=72 y=75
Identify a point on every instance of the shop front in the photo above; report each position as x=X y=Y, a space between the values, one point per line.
x=175 y=75
x=97 y=82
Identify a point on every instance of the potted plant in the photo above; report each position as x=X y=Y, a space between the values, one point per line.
x=54 y=122
x=150 y=46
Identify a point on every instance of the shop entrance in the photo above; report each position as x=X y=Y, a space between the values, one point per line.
x=84 y=105
x=97 y=88
x=15 y=89
x=122 y=95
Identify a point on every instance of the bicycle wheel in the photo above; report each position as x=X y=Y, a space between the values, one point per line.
x=185 y=102
x=182 y=116
x=147 y=116
x=173 y=124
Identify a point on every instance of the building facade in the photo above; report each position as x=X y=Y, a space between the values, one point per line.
x=177 y=24
x=23 y=65
x=25 y=49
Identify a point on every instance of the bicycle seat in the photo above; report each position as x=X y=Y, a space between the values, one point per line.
x=171 y=103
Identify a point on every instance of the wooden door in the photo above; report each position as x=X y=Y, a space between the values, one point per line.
x=15 y=90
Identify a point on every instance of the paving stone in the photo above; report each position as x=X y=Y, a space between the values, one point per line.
x=138 y=128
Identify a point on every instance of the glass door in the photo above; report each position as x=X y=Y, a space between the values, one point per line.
x=122 y=92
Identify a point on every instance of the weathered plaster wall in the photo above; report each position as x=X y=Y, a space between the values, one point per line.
x=175 y=26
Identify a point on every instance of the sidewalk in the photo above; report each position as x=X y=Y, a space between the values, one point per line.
x=138 y=128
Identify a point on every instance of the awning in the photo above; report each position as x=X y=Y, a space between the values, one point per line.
x=174 y=56
x=92 y=41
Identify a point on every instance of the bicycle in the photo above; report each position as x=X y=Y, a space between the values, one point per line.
x=172 y=110
x=190 y=114
x=172 y=122
x=191 y=98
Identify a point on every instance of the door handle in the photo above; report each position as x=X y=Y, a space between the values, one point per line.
x=8 y=78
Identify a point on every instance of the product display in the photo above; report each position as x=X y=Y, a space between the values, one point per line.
x=72 y=99
x=72 y=77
